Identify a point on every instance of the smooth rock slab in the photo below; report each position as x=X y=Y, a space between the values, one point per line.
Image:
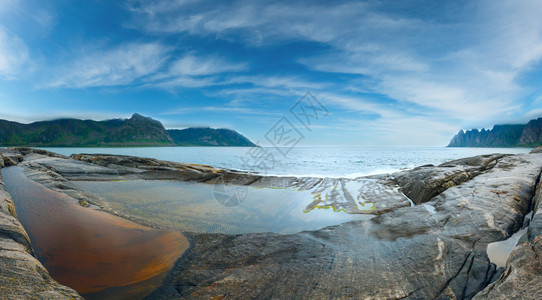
x=408 y=252
x=432 y=251
x=522 y=276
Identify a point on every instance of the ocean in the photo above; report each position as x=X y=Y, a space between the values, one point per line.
x=347 y=162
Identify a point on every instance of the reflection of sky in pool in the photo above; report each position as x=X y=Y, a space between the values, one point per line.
x=192 y=207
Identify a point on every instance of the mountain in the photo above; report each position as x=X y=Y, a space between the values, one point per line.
x=136 y=131
x=501 y=136
x=208 y=137
x=532 y=132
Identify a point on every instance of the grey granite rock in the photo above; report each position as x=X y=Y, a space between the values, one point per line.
x=432 y=251
x=423 y=183
x=522 y=276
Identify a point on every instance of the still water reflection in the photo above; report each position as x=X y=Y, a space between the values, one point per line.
x=197 y=207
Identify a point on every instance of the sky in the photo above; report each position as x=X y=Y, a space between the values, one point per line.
x=386 y=73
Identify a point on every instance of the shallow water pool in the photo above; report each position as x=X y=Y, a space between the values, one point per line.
x=99 y=255
x=199 y=207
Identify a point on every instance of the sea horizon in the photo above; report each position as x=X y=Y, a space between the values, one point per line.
x=303 y=161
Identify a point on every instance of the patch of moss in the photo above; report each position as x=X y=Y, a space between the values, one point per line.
x=449 y=184
x=84 y=203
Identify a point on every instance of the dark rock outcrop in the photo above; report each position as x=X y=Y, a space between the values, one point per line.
x=532 y=133
x=22 y=276
x=501 y=136
x=423 y=183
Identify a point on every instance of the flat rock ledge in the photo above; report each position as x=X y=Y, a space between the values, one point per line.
x=22 y=276
x=427 y=238
x=433 y=250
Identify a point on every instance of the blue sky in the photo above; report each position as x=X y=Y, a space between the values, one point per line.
x=389 y=72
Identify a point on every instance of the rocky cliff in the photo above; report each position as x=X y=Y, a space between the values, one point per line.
x=501 y=136
x=532 y=133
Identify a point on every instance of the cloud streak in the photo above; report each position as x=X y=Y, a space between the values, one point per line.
x=438 y=65
x=13 y=54
x=118 y=66
x=446 y=65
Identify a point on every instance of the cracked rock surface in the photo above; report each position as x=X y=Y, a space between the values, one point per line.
x=409 y=252
x=522 y=275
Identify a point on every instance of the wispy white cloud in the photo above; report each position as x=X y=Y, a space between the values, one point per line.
x=534 y=114
x=13 y=54
x=466 y=69
x=120 y=65
x=191 y=65
x=195 y=71
x=273 y=81
x=34 y=115
x=221 y=109
x=435 y=66
x=9 y=5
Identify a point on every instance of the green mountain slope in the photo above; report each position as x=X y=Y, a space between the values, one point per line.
x=136 y=131
x=208 y=137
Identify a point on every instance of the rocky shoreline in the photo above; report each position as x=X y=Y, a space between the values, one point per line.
x=427 y=238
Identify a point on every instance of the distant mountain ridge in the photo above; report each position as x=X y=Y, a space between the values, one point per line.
x=208 y=137
x=528 y=135
x=136 y=131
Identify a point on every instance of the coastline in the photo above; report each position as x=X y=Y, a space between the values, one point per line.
x=340 y=162
x=306 y=252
